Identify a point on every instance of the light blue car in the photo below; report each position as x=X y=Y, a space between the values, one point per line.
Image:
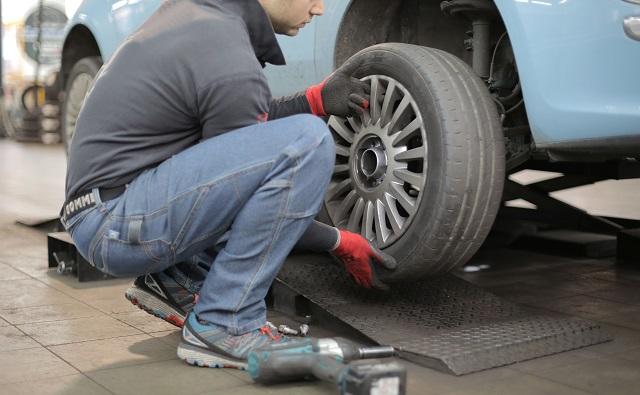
x=463 y=92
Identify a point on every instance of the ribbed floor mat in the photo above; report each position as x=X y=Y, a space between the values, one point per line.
x=444 y=323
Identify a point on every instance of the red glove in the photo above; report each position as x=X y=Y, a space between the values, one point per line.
x=359 y=256
x=340 y=93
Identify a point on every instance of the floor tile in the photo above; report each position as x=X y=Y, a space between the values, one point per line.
x=554 y=361
x=114 y=353
x=169 y=377
x=31 y=364
x=9 y=273
x=577 y=285
x=617 y=275
x=621 y=293
x=77 y=330
x=296 y=388
x=76 y=384
x=582 y=266
x=3 y=323
x=433 y=382
x=57 y=312
x=623 y=339
x=88 y=291
x=171 y=337
x=632 y=354
x=31 y=249
x=521 y=385
x=32 y=266
x=144 y=321
x=17 y=287
x=586 y=306
x=12 y=338
x=17 y=259
x=629 y=319
x=242 y=375
x=113 y=305
x=603 y=375
x=35 y=297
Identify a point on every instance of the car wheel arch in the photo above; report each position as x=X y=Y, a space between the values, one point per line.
x=79 y=43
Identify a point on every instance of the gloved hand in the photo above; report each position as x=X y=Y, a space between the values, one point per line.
x=359 y=256
x=340 y=94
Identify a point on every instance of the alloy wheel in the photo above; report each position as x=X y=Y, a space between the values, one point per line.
x=381 y=165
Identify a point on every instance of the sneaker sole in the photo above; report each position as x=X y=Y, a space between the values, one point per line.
x=197 y=356
x=154 y=306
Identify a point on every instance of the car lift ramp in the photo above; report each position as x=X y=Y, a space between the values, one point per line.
x=444 y=323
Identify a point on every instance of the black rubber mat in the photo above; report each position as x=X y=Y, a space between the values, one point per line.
x=443 y=323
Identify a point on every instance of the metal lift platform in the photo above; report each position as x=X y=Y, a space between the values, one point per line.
x=444 y=323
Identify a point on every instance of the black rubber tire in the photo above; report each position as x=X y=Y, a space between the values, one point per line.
x=466 y=160
x=89 y=65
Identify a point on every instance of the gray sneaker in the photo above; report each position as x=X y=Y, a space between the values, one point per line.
x=160 y=295
x=210 y=346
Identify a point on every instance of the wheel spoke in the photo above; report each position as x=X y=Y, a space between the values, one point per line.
x=339 y=189
x=395 y=219
x=374 y=103
x=341 y=169
x=341 y=150
x=402 y=107
x=355 y=219
x=339 y=128
x=407 y=132
x=355 y=125
x=345 y=207
x=367 y=223
x=414 y=179
x=412 y=154
x=382 y=232
x=408 y=203
x=386 y=104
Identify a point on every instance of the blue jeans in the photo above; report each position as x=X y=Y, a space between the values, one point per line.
x=257 y=188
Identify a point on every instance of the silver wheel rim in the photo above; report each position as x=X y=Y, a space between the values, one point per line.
x=75 y=98
x=381 y=165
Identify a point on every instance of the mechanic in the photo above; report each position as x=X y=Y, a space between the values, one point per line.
x=180 y=155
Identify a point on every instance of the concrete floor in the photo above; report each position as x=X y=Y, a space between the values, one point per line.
x=61 y=337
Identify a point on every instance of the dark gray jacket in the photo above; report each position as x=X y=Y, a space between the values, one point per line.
x=192 y=71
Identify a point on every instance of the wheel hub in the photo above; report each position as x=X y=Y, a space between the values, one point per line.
x=371 y=162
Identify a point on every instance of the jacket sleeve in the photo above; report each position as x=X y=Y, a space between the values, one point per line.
x=281 y=107
x=233 y=103
x=318 y=237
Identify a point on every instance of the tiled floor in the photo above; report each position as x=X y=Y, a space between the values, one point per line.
x=61 y=337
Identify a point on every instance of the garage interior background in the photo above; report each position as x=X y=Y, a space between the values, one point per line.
x=31 y=185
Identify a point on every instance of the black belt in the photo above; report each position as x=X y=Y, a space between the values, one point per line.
x=84 y=200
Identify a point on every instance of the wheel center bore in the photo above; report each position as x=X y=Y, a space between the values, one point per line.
x=371 y=161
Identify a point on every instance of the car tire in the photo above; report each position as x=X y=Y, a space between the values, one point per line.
x=452 y=168
x=80 y=81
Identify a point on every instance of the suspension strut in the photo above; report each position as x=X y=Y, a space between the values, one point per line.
x=481 y=13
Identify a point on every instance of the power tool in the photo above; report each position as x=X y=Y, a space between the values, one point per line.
x=323 y=359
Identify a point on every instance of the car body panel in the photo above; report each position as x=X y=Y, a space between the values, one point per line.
x=578 y=69
x=580 y=73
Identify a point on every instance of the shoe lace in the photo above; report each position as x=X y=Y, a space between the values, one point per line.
x=266 y=330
